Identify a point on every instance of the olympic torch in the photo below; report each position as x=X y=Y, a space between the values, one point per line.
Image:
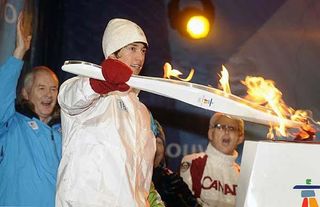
x=195 y=94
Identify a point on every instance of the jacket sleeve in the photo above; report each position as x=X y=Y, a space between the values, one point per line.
x=76 y=95
x=9 y=75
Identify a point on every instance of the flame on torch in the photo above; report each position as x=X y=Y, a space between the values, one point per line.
x=256 y=93
x=265 y=93
x=169 y=72
x=224 y=80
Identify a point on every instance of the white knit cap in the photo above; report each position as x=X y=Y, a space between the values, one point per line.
x=119 y=33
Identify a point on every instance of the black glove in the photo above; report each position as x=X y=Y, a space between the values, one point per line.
x=172 y=189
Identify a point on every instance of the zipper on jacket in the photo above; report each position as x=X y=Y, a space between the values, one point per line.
x=1 y=154
x=54 y=144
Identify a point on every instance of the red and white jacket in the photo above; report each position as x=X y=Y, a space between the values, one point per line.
x=212 y=176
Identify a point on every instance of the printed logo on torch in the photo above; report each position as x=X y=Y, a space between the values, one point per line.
x=205 y=101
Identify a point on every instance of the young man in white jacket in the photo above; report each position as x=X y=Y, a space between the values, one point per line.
x=108 y=145
x=213 y=175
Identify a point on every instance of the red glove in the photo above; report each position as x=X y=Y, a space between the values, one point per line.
x=116 y=74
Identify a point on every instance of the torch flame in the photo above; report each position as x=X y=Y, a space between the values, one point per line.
x=224 y=80
x=265 y=93
x=169 y=72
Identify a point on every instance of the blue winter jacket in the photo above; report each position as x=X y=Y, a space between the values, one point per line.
x=30 y=150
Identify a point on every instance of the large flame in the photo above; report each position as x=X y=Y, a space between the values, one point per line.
x=169 y=72
x=265 y=93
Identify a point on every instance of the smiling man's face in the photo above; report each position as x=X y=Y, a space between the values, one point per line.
x=42 y=94
x=133 y=55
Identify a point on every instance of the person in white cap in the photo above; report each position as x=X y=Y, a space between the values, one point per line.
x=213 y=175
x=108 y=144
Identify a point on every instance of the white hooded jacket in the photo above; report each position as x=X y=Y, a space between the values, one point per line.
x=108 y=148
